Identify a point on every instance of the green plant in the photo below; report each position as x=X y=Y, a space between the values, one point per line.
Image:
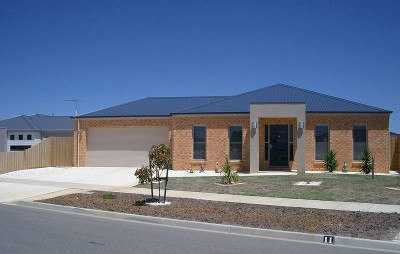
x=144 y=174
x=159 y=157
x=366 y=159
x=229 y=176
x=109 y=196
x=330 y=161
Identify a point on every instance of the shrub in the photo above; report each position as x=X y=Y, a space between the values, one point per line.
x=366 y=158
x=144 y=174
x=229 y=176
x=330 y=161
x=109 y=196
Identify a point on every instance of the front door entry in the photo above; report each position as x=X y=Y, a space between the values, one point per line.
x=279 y=154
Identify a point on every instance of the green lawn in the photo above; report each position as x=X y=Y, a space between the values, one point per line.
x=334 y=187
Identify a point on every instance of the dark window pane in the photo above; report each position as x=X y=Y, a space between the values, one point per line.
x=199 y=134
x=29 y=137
x=199 y=151
x=199 y=142
x=18 y=148
x=235 y=134
x=291 y=152
x=235 y=142
x=291 y=133
x=20 y=137
x=12 y=137
x=235 y=152
x=321 y=133
x=360 y=133
x=321 y=141
x=359 y=147
x=359 y=141
x=320 y=150
x=266 y=134
x=266 y=151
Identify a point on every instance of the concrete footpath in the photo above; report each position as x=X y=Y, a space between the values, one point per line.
x=331 y=205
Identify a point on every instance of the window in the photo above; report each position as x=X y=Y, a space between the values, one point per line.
x=199 y=142
x=20 y=137
x=266 y=143
x=12 y=137
x=18 y=148
x=29 y=137
x=359 y=141
x=321 y=141
x=235 y=142
x=291 y=149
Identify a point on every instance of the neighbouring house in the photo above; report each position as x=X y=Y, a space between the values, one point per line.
x=395 y=151
x=273 y=128
x=21 y=132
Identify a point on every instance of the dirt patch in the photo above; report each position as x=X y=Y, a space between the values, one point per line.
x=380 y=226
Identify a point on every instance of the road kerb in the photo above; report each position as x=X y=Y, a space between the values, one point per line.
x=387 y=246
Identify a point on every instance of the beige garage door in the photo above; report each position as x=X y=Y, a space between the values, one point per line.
x=121 y=147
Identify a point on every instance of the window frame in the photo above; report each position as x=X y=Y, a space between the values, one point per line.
x=29 y=137
x=315 y=140
x=290 y=142
x=229 y=142
x=12 y=136
x=205 y=143
x=366 y=139
x=266 y=142
x=21 y=137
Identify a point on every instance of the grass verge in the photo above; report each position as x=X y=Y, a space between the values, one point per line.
x=334 y=187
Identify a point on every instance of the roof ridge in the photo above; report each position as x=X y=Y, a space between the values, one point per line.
x=228 y=98
x=333 y=97
x=122 y=104
x=142 y=99
x=187 y=97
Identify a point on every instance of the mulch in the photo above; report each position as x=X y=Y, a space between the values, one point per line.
x=379 y=226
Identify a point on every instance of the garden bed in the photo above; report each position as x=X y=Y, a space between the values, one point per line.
x=380 y=226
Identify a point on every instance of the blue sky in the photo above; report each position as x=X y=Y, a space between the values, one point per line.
x=110 y=52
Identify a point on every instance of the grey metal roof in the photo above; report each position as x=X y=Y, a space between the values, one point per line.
x=38 y=122
x=280 y=93
x=153 y=106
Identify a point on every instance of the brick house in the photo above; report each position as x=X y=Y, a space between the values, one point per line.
x=272 y=128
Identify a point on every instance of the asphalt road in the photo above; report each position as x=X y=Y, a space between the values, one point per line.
x=29 y=230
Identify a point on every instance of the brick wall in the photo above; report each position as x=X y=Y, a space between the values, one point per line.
x=217 y=145
x=85 y=124
x=341 y=139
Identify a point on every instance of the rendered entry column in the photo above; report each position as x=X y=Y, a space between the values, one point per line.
x=254 y=145
x=277 y=110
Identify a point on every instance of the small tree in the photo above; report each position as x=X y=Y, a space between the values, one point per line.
x=330 y=161
x=159 y=159
x=366 y=158
x=229 y=176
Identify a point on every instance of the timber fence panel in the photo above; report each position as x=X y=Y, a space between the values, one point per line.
x=395 y=153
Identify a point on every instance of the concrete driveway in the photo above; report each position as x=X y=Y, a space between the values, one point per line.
x=46 y=182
